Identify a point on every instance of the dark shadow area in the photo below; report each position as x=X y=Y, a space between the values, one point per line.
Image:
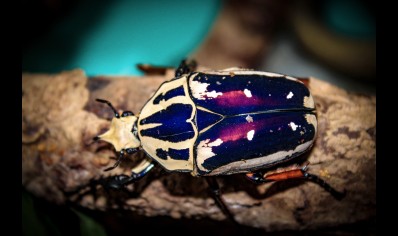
x=58 y=27
x=39 y=217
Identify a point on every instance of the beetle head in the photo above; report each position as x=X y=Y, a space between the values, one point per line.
x=122 y=133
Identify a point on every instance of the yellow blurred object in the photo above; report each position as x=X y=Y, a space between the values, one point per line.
x=354 y=57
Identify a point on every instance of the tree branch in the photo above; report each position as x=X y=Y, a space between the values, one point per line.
x=60 y=117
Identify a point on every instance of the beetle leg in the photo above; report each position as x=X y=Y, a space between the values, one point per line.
x=127 y=113
x=185 y=68
x=153 y=70
x=215 y=189
x=305 y=80
x=293 y=172
x=290 y=172
x=315 y=179
x=120 y=181
x=119 y=159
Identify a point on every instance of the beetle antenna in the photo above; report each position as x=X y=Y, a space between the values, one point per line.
x=110 y=105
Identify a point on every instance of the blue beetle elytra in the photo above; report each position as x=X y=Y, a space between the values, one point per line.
x=219 y=122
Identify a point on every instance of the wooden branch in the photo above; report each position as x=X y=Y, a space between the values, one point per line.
x=60 y=117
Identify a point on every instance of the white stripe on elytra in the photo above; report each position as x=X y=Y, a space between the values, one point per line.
x=240 y=71
x=151 y=144
x=249 y=164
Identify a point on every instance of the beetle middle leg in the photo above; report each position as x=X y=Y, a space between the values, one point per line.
x=294 y=172
x=215 y=189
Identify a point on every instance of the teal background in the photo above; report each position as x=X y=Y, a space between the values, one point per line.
x=351 y=18
x=111 y=37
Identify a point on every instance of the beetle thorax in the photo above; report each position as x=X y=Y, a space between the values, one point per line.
x=122 y=134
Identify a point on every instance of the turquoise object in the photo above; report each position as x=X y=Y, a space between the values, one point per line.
x=352 y=18
x=110 y=39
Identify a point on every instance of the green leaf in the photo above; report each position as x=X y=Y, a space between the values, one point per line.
x=31 y=225
x=89 y=226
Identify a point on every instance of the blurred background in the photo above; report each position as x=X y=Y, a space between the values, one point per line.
x=333 y=41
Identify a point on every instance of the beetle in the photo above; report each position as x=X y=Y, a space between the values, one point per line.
x=219 y=122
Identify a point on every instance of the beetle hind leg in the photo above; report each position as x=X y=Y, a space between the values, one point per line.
x=313 y=178
x=294 y=172
x=185 y=67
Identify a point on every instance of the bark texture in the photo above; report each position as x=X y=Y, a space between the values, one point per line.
x=60 y=117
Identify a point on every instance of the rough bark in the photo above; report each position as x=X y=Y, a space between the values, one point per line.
x=60 y=117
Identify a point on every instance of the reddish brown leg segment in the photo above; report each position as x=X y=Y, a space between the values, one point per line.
x=306 y=81
x=294 y=172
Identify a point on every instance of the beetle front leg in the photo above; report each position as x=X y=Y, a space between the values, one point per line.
x=294 y=172
x=122 y=153
x=121 y=181
x=119 y=159
x=118 y=182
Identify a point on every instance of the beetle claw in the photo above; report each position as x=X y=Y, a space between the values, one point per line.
x=339 y=195
x=117 y=182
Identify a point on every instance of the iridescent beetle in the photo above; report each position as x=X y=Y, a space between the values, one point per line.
x=219 y=123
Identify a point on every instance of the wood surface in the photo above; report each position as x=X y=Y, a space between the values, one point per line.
x=60 y=117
